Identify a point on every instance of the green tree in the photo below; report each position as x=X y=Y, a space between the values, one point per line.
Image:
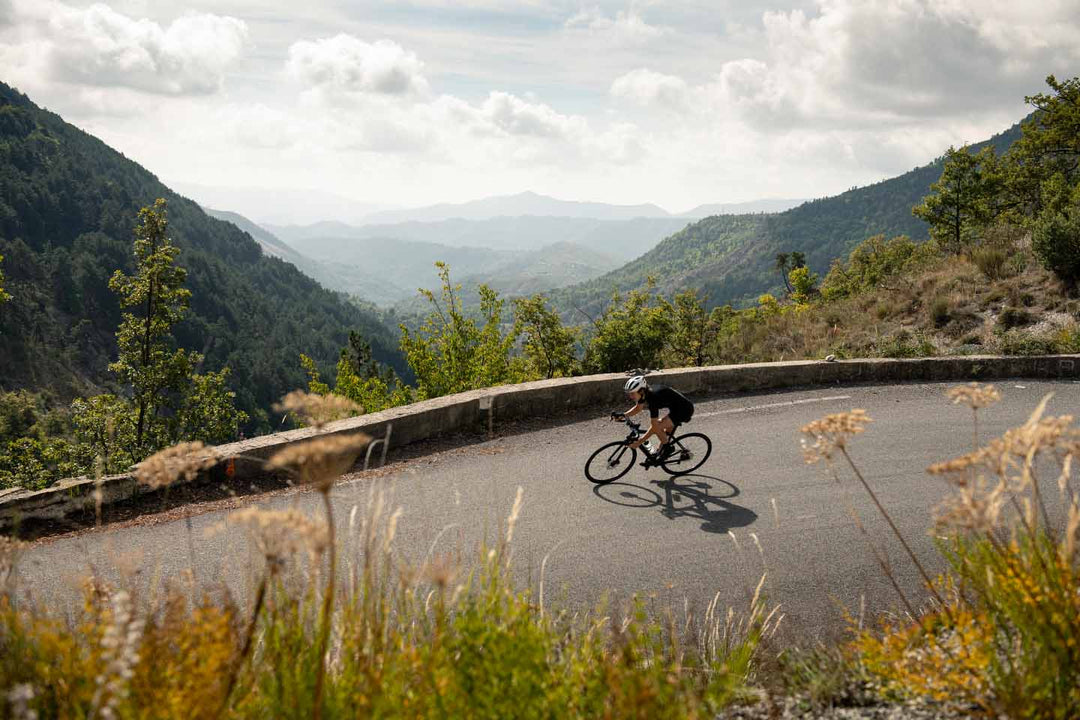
x=632 y=332
x=209 y=412
x=786 y=262
x=803 y=284
x=693 y=330
x=4 y=297
x=1049 y=147
x=105 y=430
x=963 y=199
x=360 y=378
x=449 y=352
x=156 y=371
x=548 y=346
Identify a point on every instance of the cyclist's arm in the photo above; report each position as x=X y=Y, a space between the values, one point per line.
x=634 y=410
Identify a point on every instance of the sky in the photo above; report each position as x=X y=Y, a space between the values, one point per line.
x=369 y=103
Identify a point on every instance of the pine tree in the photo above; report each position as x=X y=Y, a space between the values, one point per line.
x=157 y=372
x=963 y=198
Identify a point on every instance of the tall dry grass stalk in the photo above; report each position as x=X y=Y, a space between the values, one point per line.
x=317 y=410
x=1007 y=637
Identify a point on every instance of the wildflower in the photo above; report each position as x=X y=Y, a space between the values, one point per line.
x=441 y=571
x=19 y=698
x=831 y=433
x=317 y=410
x=318 y=462
x=1072 y=533
x=972 y=508
x=120 y=653
x=281 y=534
x=974 y=395
x=184 y=460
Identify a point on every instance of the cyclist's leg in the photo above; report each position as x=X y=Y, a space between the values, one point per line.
x=663 y=425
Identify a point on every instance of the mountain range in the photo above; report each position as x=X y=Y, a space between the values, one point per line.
x=731 y=258
x=68 y=204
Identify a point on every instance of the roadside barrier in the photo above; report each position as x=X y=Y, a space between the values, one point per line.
x=481 y=410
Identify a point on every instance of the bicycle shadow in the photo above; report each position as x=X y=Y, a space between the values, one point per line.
x=698 y=499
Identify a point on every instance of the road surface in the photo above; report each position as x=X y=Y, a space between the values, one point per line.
x=754 y=507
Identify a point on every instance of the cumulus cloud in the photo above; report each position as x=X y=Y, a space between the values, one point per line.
x=345 y=65
x=899 y=58
x=98 y=46
x=512 y=115
x=626 y=27
x=646 y=87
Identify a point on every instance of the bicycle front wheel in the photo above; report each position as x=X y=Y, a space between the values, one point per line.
x=610 y=462
x=691 y=451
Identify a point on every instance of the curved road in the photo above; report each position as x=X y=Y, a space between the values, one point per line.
x=753 y=507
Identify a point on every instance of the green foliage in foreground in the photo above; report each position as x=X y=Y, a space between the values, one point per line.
x=440 y=642
x=1004 y=632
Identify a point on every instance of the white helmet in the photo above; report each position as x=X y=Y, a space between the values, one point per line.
x=635 y=383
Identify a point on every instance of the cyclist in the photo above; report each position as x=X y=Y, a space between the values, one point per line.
x=668 y=408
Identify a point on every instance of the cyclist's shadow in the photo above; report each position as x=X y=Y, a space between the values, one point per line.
x=692 y=496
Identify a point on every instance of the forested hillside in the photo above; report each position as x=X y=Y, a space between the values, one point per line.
x=731 y=257
x=68 y=203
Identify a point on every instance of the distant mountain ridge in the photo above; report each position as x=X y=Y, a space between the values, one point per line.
x=623 y=239
x=731 y=257
x=521 y=204
x=766 y=205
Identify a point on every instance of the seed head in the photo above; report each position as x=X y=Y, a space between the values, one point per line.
x=831 y=433
x=973 y=395
x=319 y=462
x=280 y=534
x=185 y=460
x=317 y=410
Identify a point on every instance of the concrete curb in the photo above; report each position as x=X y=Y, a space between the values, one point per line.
x=476 y=410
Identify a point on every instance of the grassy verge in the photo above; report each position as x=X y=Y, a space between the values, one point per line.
x=336 y=626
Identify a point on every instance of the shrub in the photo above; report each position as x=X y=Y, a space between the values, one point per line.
x=991 y=261
x=905 y=345
x=1056 y=242
x=1013 y=317
x=939 y=311
x=1018 y=342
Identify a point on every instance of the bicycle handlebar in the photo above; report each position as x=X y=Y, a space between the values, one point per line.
x=629 y=423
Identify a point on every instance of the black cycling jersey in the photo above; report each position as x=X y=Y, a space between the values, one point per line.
x=661 y=396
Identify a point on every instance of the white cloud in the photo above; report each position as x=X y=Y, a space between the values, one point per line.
x=511 y=115
x=344 y=65
x=861 y=60
x=98 y=46
x=646 y=87
x=626 y=27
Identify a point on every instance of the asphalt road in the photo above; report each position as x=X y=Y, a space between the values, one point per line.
x=754 y=507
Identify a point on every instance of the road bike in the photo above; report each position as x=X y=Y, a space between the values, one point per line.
x=615 y=459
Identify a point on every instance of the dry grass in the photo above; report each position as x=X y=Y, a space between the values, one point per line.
x=452 y=637
x=1003 y=632
x=946 y=307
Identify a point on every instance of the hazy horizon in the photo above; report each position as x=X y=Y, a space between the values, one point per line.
x=417 y=103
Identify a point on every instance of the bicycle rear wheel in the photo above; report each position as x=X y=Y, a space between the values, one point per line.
x=691 y=452
x=610 y=462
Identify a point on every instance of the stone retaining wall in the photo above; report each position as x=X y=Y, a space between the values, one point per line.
x=474 y=410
